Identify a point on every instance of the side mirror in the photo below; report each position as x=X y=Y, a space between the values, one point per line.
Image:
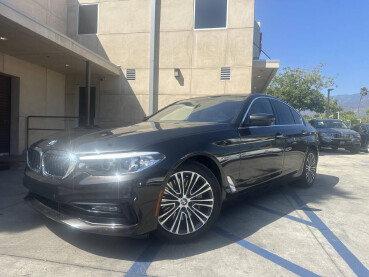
x=261 y=119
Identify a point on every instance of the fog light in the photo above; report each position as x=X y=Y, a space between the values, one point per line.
x=106 y=208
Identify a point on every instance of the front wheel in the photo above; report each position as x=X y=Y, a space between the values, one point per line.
x=366 y=146
x=190 y=203
x=355 y=149
x=308 y=175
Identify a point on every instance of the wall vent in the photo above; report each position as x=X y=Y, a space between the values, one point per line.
x=225 y=73
x=131 y=74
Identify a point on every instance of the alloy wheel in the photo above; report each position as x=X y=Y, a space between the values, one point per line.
x=310 y=167
x=186 y=204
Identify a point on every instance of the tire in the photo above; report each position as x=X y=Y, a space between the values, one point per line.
x=366 y=147
x=308 y=175
x=186 y=212
x=355 y=150
x=335 y=148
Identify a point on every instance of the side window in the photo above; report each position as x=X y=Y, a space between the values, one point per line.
x=283 y=112
x=261 y=105
x=297 y=117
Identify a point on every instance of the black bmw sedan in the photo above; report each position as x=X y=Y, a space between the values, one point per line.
x=170 y=173
x=335 y=134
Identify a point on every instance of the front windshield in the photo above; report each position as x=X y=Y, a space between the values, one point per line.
x=209 y=109
x=338 y=124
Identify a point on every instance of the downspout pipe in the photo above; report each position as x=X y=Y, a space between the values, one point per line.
x=154 y=56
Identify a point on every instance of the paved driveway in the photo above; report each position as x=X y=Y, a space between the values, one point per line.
x=285 y=231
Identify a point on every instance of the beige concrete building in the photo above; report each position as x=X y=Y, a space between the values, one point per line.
x=141 y=54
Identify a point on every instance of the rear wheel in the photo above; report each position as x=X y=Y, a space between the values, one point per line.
x=308 y=175
x=190 y=203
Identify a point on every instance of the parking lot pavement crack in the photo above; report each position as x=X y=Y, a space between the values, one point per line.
x=312 y=233
x=63 y=263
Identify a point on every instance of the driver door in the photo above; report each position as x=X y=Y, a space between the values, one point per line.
x=262 y=148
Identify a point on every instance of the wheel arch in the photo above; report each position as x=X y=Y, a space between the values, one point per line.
x=210 y=162
x=312 y=147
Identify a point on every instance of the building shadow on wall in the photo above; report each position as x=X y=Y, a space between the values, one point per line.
x=131 y=105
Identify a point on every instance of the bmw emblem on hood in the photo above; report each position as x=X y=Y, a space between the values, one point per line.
x=51 y=143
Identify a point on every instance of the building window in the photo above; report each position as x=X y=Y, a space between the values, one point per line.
x=210 y=14
x=88 y=19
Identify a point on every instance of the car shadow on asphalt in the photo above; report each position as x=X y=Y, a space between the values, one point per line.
x=239 y=215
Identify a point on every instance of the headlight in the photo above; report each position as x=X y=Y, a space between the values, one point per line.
x=357 y=136
x=118 y=163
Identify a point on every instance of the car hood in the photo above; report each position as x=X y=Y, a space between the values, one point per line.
x=129 y=138
x=336 y=131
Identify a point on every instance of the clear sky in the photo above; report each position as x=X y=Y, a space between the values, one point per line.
x=306 y=32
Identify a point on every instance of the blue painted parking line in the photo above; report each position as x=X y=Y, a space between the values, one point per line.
x=144 y=261
x=265 y=253
x=342 y=250
x=282 y=214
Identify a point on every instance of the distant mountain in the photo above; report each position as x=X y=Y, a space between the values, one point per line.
x=350 y=102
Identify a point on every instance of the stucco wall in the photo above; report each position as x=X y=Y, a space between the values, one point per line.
x=52 y=13
x=124 y=38
x=41 y=92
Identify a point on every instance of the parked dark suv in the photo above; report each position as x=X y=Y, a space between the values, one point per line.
x=363 y=130
x=170 y=173
x=335 y=134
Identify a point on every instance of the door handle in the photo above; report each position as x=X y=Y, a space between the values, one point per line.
x=279 y=136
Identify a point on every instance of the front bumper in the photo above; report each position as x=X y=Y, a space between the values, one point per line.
x=340 y=143
x=78 y=223
x=73 y=201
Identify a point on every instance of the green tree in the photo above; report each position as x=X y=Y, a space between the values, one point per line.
x=333 y=106
x=302 y=88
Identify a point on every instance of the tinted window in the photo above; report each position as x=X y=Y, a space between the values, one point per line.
x=210 y=14
x=297 y=117
x=284 y=115
x=261 y=105
x=87 y=19
x=210 y=109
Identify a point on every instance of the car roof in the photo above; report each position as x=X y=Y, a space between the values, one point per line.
x=236 y=96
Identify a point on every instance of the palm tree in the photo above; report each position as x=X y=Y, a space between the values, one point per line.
x=364 y=92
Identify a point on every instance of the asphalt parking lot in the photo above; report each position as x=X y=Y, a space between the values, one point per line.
x=285 y=231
